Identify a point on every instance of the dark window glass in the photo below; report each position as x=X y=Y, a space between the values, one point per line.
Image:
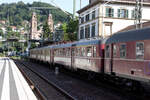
x=87 y=31
x=82 y=33
x=107 y=51
x=87 y=17
x=122 y=51
x=109 y=12
x=82 y=19
x=93 y=30
x=139 y=50
x=93 y=15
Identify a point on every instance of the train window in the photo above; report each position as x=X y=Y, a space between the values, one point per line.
x=122 y=51
x=114 y=50
x=94 y=51
x=89 y=51
x=78 y=52
x=140 y=50
x=64 y=52
x=107 y=51
x=68 y=52
x=82 y=51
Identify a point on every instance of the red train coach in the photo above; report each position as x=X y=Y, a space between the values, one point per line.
x=127 y=55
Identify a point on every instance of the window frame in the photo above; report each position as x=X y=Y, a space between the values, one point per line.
x=107 y=14
x=87 y=17
x=114 y=51
x=126 y=13
x=107 y=53
x=87 y=31
x=94 y=14
x=93 y=25
x=89 y=50
x=125 y=50
x=82 y=32
x=136 y=50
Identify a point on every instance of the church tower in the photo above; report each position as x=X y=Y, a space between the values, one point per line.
x=33 y=26
x=50 y=22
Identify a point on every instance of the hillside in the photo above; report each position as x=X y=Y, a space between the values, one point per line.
x=19 y=12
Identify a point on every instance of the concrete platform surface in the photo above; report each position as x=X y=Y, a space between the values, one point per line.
x=13 y=85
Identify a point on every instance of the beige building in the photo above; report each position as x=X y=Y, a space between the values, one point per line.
x=102 y=18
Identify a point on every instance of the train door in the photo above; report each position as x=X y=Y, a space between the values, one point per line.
x=72 y=56
x=111 y=58
x=52 y=56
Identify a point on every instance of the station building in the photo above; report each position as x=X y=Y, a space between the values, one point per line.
x=102 y=18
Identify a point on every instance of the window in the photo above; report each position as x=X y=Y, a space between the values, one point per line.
x=82 y=19
x=93 y=15
x=107 y=51
x=94 y=52
x=82 y=51
x=81 y=32
x=89 y=51
x=109 y=12
x=87 y=31
x=68 y=52
x=114 y=50
x=139 y=50
x=78 y=52
x=122 y=13
x=93 y=30
x=87 y=17
x=122 y=51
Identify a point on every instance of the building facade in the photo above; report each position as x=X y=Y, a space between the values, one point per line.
x=102 y=18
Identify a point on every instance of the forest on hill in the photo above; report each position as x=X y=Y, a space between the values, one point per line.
x=18 y=12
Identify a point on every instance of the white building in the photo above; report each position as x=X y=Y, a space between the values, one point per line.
x=102 y=18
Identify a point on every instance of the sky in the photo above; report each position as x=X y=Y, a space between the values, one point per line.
x=66 y=5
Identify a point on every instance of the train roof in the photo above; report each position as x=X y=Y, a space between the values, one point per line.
x=133 y=35
x=77 y=43
x=88 y=42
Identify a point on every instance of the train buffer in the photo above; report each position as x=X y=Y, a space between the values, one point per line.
x=13 y=85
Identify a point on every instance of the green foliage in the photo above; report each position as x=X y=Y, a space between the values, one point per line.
x=19 y=12
x=70 y=30
x=47 y=34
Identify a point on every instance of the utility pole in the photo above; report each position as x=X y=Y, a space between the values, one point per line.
x=80 y=3
x=74 y=8
x=138 y=13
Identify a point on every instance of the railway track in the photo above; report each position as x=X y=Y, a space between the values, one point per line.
x=42 y=94
x=88 y=94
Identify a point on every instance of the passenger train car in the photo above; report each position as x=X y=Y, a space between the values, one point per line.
x=125 y=55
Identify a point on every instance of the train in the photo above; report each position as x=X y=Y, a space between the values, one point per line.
x=124 y=55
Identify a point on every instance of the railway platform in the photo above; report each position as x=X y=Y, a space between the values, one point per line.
x=13 y=85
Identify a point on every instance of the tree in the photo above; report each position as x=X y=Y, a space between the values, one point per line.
x=47 y=34
x=70 y=30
